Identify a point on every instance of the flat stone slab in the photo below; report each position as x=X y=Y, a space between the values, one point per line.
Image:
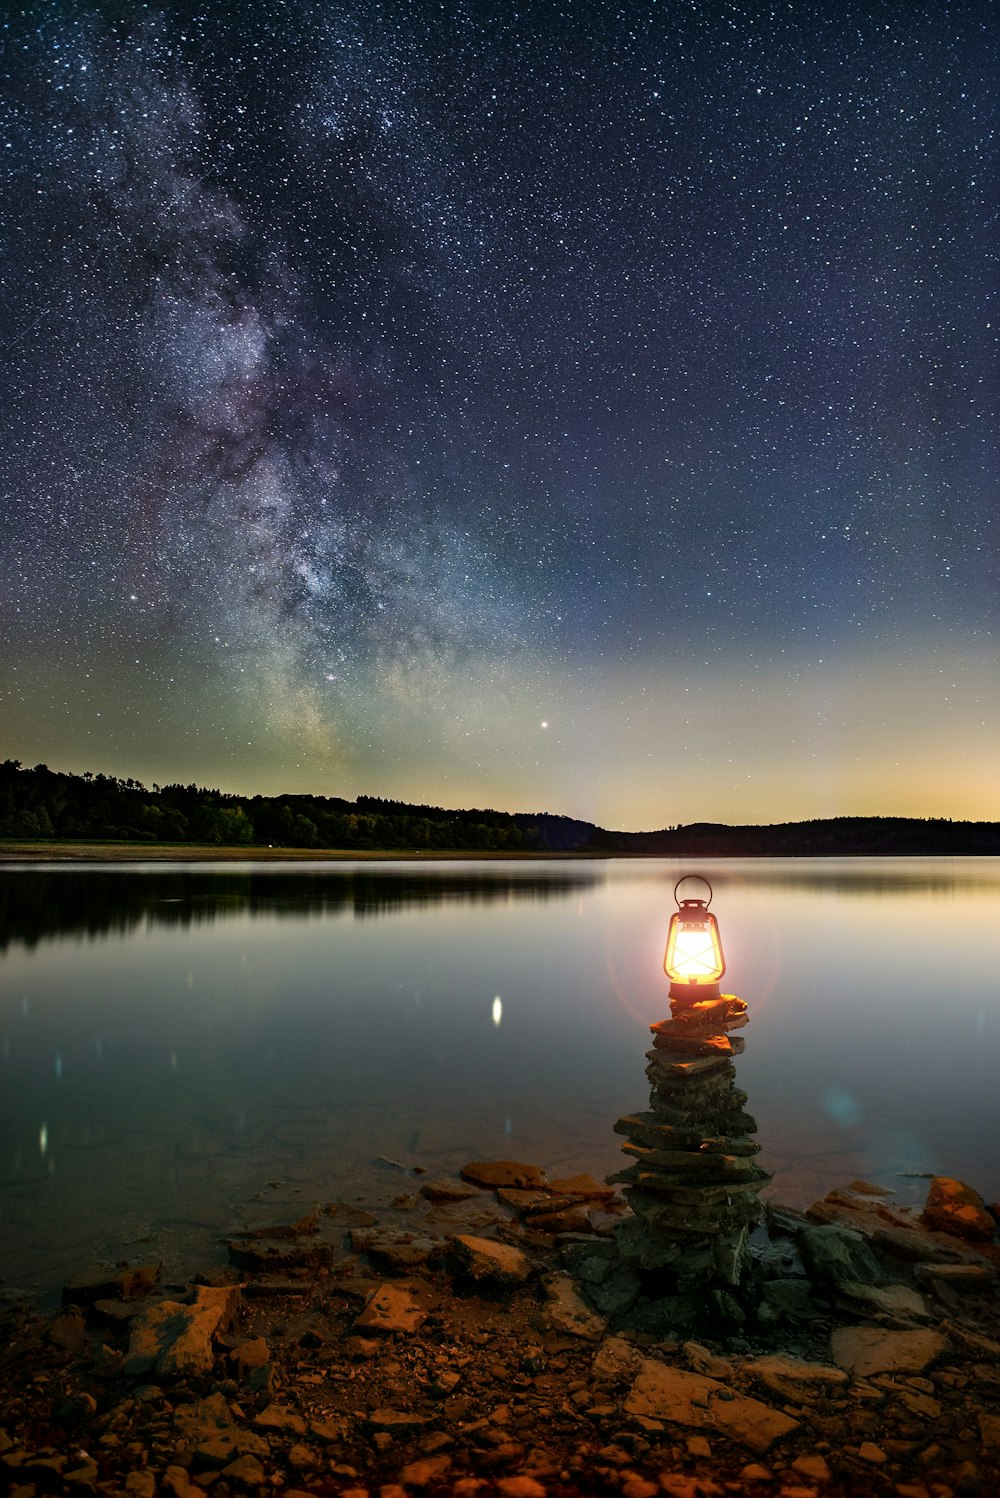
x=101 y=1283
x=583 y=1187
x=396 y=1420
x=391 y=1309
x=493 y=1173
x=864 y=1350
x=486 y=1259
x=259 y=1255
x=566 y=1311
x=794 y=1379
x=444 y=1191
x=899 y=1301
x=691 y=1399
x=393 y=1247
x=281 y=1419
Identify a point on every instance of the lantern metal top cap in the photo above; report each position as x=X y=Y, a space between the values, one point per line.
x=691 y=899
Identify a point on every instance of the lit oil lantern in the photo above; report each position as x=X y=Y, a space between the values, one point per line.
x=693 y=960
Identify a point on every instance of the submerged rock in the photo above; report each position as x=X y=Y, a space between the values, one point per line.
x=493 y=1173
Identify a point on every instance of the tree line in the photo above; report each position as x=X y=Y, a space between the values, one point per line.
x=40 y=803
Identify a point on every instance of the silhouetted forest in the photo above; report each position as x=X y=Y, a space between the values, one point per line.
x=40 y=804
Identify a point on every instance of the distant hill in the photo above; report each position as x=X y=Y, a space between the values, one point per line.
x=830 y=837
x=44 y=804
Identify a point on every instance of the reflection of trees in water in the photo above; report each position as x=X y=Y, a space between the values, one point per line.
x=36 y=905
x=967 y=876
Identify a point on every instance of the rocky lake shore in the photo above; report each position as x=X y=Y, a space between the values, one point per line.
x=485 y=1339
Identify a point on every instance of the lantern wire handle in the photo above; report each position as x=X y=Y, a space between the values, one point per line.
x=684 y=879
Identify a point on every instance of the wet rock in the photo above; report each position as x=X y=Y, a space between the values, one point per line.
x=616 y=1293
x=566 y=1220
x=701 y=1403
x=443 y=1191
x=791 y=1300
x=392 y=1248
x=583 y=1188
x=522 y=1202
x=266 y=1286
x=484 y=1259
x=392 y=1309
x=861 y=1211
x=834 y=1254
x=864 y=1350
x=953 y=1207
x=961 y=1279
x=173 y=1340
x=566 y=1310
x=261 y=1255
x=302 y=1227
x=898 y=1301
x=493 y=1173
x=98 y=1282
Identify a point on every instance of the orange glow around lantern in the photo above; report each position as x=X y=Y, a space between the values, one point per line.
x=693 y=960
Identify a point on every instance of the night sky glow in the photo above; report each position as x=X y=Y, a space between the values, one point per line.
x=586 y=407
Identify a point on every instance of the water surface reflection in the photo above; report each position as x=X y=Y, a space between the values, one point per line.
x=172 y=1042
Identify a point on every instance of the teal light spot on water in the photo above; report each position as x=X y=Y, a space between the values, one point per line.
x=841 y=1106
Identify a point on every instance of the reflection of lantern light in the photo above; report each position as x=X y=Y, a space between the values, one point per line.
x=693 y=960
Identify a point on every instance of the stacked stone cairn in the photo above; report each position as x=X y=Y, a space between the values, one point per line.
x=694 y=1187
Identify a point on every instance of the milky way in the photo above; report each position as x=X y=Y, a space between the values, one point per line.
x=590 y=409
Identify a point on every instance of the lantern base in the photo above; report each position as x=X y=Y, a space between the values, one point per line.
x=685 y=995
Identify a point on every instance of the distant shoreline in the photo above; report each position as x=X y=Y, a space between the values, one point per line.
x=12 y=851
x=15 y=851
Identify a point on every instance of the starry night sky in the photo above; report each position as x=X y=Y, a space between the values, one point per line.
x=586 y=407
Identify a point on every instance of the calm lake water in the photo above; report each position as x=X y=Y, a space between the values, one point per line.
x=179 y=1045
